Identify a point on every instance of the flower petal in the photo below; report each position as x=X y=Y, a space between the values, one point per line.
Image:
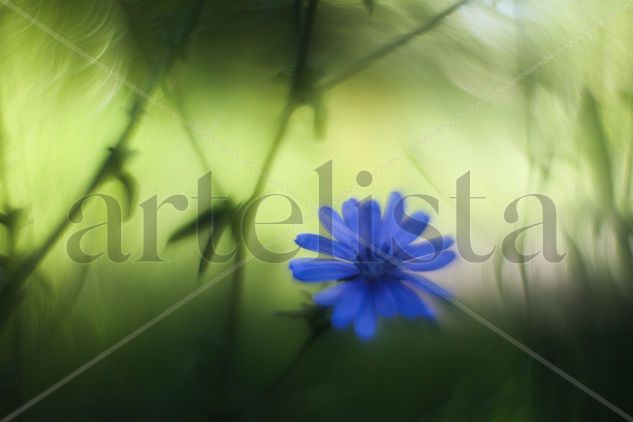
x=350 y=217
x=423 y=284
x=321 y=244
x=311 y=269
x=369 y=223
x=384 y=301
x=389 y=220
x=410 y=228
x=347 y=307
x=350 y=213
x=331 y=295
x=335 y=225
x=432 y=263
x=410 y=304
x=425 y=248
x=365 y=321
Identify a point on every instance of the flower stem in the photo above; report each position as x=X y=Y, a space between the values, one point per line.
x=233 y=316
x=297 y=84
x=272 y=152
x=292 y=364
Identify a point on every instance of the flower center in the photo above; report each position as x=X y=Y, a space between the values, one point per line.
x=374 y=267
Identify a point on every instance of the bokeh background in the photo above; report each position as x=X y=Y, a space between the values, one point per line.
x=240 y=86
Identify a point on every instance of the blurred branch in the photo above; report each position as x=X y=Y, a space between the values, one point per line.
x=191 y=136
x=299 y=88
x=597 y=147
x=527 y=86
x=628 y=164
x=173 y=97
x=9 y=216
x=364 y=62
x=3 y=163
x=118 y=154
x=596 y=142
x=293 y=363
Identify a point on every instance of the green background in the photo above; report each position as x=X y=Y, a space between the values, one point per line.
x=559 y=122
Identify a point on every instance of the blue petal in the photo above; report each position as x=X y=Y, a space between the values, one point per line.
x=347 y=307
x=410 y=228
x=310 y=269
x=424 y=249
x=334 y=224
x=423 y=284
x=389 y=219
x=350 y=217
x=321 y=244
x=410 y=304
x=384 y=301
x=350 y=213
x=370 y=223
x=432 y=263
x=365 y=321
x=331 y=295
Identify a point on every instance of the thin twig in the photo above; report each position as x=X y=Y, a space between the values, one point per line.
x=3 y=165
x=298 y=84
x=26 y=268
x=364 y=62
x=173 y=97
x=527 y=90
x=290 y=367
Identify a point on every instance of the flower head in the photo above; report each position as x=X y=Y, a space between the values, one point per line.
x=376 y=260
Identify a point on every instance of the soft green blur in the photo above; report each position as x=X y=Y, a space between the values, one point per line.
x=563 y=130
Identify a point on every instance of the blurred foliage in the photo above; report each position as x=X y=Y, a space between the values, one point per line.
x=244 y=89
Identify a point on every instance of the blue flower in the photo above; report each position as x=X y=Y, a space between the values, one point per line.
x=377 y=261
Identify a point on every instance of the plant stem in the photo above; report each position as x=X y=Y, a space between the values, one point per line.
x=26 y=268
x=291 y=365
x=233 y=314
x=273 y=151
x=174 y=98
x=527 y=91
x=3 y=166
x=298 y=84
x=362 y=63
x=628 y=163
x=191 y=136
x=17 y=350
x=30 y=264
